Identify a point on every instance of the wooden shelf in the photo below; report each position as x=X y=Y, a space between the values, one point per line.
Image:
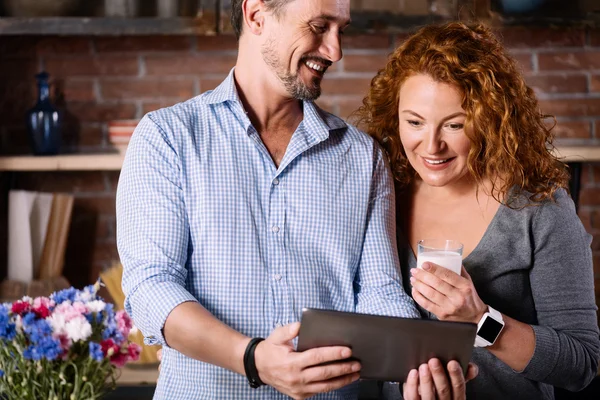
x=107 y=26
x=114 y=161
x=69 y=162
x=362 y=22
x=134 y=376
x=211 y=20
x=578 y=153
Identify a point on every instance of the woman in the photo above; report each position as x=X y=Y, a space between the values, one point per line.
x=470 y=153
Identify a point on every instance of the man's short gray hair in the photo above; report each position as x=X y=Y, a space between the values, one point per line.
x=237 y=14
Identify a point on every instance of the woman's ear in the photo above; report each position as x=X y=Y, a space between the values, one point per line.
x=254 y=16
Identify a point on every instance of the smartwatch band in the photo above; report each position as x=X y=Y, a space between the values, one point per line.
x=250 y=364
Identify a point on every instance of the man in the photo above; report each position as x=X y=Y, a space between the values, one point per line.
x=239 y=207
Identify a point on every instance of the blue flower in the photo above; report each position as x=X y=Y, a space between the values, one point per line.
x=111 y=329
x=46 y=347
x=90 y=289
x=9 y=333
x=1 y=373
x=96 y=351
x=29 y=318
x=36 y=329
x=7 y=327
x=42 y=344
x=112 y=332
x=69 y=294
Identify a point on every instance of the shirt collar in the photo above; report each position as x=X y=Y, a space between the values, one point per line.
x=313 y=115
x=226 y=91
x=323 y=121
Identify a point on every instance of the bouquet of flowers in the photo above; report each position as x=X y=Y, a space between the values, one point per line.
x=67 y=346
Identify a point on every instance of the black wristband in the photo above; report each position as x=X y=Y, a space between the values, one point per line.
x=250 y=364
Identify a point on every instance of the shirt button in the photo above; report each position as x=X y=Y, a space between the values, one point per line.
x=275 y=229
x=278 y=277
x=275 y=181
x=278 y=325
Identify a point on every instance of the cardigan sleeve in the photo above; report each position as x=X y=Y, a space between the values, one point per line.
x=567 y=343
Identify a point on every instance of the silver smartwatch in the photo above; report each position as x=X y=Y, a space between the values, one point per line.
x=489 y=328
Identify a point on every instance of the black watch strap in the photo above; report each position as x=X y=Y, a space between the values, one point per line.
x=250 y=364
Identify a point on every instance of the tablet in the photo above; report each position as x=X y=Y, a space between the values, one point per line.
x=387 y=347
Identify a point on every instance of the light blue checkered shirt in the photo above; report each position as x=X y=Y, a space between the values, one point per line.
x=203 y=214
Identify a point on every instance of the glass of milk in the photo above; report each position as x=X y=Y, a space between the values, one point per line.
x=445 y=253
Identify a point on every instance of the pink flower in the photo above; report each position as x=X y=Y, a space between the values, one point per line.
x=41 y=311
x=123 y=323
x=120 y=356
x=119 y=359
x=21 y=307
x=134 y=351
x=65 y=343
x=129 y=353
x=109 y=348
x=71 y=311
x=80 y=307
x=43 y=301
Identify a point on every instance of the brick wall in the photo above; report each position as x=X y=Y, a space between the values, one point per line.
x=103 y=78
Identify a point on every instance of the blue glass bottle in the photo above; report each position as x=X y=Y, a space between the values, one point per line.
x=44 y=121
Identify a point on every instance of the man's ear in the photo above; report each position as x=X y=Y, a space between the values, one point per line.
x=254 y=16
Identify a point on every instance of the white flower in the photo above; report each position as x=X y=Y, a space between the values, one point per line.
x=27 y=299
x=78 y=329
x=85 y=296
x=95 y=306
x=19 y=324
x=58 y=324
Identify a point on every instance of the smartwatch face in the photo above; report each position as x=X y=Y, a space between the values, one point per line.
x=490 y=329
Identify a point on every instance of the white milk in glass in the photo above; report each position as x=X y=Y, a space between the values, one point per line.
x=447 y=259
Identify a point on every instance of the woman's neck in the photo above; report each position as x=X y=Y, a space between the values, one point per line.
x=444 y=194
x=467 y=188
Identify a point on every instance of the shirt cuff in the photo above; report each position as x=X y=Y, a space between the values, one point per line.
x=151 y=305
x=544 y=356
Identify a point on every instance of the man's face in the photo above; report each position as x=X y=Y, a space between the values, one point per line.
x=303 y=41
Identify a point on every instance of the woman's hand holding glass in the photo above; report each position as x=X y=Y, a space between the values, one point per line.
x=449 y=296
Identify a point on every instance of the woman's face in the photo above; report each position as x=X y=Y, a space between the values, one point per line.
x=431 y=125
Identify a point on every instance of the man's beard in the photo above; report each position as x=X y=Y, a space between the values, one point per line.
x=293 y=83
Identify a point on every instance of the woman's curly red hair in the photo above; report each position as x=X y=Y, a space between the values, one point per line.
x=509 y=138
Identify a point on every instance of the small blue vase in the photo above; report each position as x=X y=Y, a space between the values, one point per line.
x=44 y=121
